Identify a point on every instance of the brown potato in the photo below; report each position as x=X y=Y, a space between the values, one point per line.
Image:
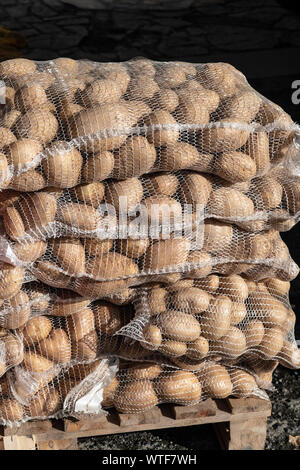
x=157 y=300
x=80 y=216
x=160 y=136
x=217 y=236
x=178 y=326
x=133 y=248
x=199 y=264
x=13 y=348
x=101 y=91
x=215 y=381
x=135 y=396
x=231 y=345
x=30 y=96
x=70 y=255
x=233 y=287
x=80 y=324
x=45 y=403
x=235 y=166
x=238 y=312
x=37 y=124
x=243 y=383
x=62 y=166
x=130 y=190
x=91 y=193
x=166 y=253
x=180 y=387
x=97 y=247
x=257 y=146
x=219 y=77
x=268 y=192
x=13 y=223
x=56 y=346
x=11 y=410
x=190 y=300
x=30 y=181
x=111 y=266
x=166 y=99
x=177 y=156
x=152 y=337
x=13 y=68
x=108 y=319
x=49 y=273
x=11 y=280
x=87 y=348
x=272 y=342
x=68 y=304
x=38 y=211
x=36 y=363
x=227 y=202
x=139 y=88
x=143 y=370
x=254 y=332
x=98 y=167
x=6 y=137
x=8 y=198
x=164 y=184
x=20 y=313
x=134 y=158
x=243 y=106
x=30 y=252
x=36 y=329
x=170 y=75
x=215 y=322
x=173 y=348
x=198 y=349
x=195 y=189
x=162 y=210
x=225 y=136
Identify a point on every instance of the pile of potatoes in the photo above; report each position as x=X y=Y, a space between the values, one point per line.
x=226 y=317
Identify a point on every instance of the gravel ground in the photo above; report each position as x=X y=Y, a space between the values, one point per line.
x=285 y=421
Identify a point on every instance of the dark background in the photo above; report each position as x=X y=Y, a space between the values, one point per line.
x=261 y=38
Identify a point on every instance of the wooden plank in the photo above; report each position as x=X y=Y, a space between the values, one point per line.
x=153 y=416
x=61 y=444
x=206 y=408
x=248 y=434
x=73 y=425
x=240 y=405
x=31 y=427
x=19 y=443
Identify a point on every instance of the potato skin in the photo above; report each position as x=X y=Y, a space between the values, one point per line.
x=62 y=166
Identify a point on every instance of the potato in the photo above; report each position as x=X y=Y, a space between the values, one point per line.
x=199 y=264
x=108 y=319
x=30 y=96
x=36 y=363
x=70 y=255
x=91 y=193
x=291 y=191
x=13 y=68
x=135 y=397
x=56 y=346
x=38 y=211
x=209 y=284
x=93 y=122
x=156 y=133
x=97 y=247
x=133 y=248
x=134 y=158
x=268 y=193
x=37 y=124
x=233 y=287
x=36 y=329
x=177 y=156
x=30 y=181
x=163 y=210
x=49 y=273
x=68 y=304
x=257 y=146
x=235 y=166
x=62 y=166
x=10 y=409
x=272 y=342
x=166 y=253
x=260 y=247
x=165 y=99
x=100 y=289
x=138 y=110
x=198 y=349
x=11 y=280
x=79 y=216
x=170 y=75
x=173 y=348
x=191 y=94
x=178 y=326
x=45 y=403
x=139 y=88
x=30 y=252
x=5 y=174
x=215 y=322
x=289 y=355
x=98 y=167
x=128 y=192
x=192 y=112
x=20 y=313
x=118 y=76
x=143 y=370
x=157 y=300
x=215 y=381
x=225 y=136
x=254 y=332
x=65 y=66
x=267 y=308
x=226 y=202
x=111 y=266
x=152 y=337
x=244 y=384
x=232 y=344
x=80 y=324
x=195 y=189
x=13 y=223
x=109 y=392
x=181 y=387
x=277 y=287
x=218 y=77
x=238 y=312
x=142 y=67
x=243 y=106
x=8 y=198
x=217 y=236
x=6 y=137
x=39 y=297
x=101 y=91
x=190 y=300
x=87 y=348
x=13 y=348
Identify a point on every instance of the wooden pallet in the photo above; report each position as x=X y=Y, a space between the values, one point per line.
x=240 y=424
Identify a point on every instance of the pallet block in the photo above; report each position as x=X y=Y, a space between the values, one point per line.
x=240 y=424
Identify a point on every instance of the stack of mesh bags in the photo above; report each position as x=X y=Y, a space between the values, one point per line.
x=141 y=208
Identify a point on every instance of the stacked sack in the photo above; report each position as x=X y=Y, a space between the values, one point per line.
x=141 y=260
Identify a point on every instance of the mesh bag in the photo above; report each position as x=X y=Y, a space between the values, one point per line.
x=79 y=139
x=224 y=317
